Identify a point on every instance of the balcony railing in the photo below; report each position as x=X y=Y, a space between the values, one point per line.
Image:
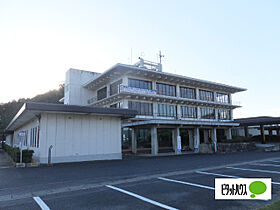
x=126 y=89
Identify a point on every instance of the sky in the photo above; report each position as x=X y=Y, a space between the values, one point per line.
x=232 y=42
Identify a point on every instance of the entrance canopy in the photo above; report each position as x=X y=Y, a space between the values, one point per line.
x=250 y=121
x=259 y=121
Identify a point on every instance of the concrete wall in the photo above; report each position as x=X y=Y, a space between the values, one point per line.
x=80 y=137
x=75 y=93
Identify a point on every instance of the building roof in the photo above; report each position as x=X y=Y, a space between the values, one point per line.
x=32 y=109
x=120 y=69
x=262 y=120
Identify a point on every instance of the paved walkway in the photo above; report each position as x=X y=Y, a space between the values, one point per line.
x=4 y=159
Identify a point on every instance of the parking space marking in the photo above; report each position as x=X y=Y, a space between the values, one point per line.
x=256 y=170
x=225 y=175
x=275 y=161
x=41 y=203
x=264 y=164
x=3 y=167
x=187 y=183
x=142 y=198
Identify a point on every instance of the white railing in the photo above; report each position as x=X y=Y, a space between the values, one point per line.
x=127 y=89
x=124 y=88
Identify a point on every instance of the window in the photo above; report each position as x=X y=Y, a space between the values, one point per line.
x=140 y=84
x=207 y=113
x=224 y=114
x=141 y=107
x=34 y=137
x=187 y=92
x=222 y=98
x=115 y=87
x=167 y=110
x=164 y=89
x=188 y=112
x=102 y=93
x=114 y=106
x=206 y=95
x=25 y=138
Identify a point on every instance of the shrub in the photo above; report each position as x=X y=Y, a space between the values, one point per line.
x=236 y=139
x=14 y=152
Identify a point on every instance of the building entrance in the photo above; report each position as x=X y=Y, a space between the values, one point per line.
x=164 y=140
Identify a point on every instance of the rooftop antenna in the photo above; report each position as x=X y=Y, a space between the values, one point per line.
x=131 y=56
x=160 y=56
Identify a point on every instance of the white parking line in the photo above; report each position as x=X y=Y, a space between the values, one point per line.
x=275 y=161
x=142 y=198
x=264 y=164
x=187 y=183
x=257 y=170
x=41 y=203
x=225 y=175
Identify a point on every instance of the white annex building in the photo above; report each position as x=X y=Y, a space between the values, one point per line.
x=174 y=111
x=66 y=133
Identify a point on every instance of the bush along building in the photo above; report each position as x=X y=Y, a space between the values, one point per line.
x=175 y=113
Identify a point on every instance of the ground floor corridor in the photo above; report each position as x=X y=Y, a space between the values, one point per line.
x=170 y=139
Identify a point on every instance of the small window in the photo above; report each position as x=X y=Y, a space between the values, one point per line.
x=207 y=113
x=142 y=84
x=34 y=137
x=141 y=107
x=102 y=93
x=222 y=98
x=166 y=110
x=188 y=112
x=206 y=95
x=165 y=89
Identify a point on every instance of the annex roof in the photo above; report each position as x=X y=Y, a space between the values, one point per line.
x=32 y=109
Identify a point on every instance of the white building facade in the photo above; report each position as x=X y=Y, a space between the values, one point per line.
x=175 y=113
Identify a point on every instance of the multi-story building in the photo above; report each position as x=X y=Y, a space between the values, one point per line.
x=173 y=110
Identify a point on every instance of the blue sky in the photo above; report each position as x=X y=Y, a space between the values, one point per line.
x=233 y=42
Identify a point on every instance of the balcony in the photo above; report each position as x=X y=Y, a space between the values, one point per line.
x=126 y=89
x=126 y=92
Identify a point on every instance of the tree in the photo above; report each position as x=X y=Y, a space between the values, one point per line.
x=10 y=109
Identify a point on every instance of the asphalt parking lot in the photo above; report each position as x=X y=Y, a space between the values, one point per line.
x=193 y=190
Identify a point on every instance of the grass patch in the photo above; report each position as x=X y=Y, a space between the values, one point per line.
x=273 y=206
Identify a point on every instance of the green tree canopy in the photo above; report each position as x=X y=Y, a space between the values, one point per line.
x=9 y=110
